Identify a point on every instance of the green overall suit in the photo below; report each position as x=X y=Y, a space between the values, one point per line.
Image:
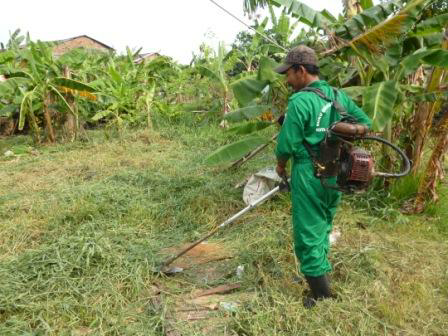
x=313 y=206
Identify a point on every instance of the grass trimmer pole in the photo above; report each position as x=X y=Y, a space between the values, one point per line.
x=230 y=220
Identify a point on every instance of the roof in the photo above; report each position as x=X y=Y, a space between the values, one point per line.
x=86 y=36
x=71 y=39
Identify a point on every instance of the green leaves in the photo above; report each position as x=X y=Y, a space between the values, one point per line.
x=247 y=113
x=247 y=89
x=25 y=108
x=266 y=70
x=367 y=18
x=354 y=91
x=306 y=14
x=7 y=110
x=61 y=97
x=432 y=25
x=101 y=114
x=72 y=84
x=435 y=57
x=6 y=56
x=234 y=151
x=365 y=4
x=379 y=101
x=250 y=127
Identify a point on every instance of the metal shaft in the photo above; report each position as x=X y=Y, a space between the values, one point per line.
x=227 y=222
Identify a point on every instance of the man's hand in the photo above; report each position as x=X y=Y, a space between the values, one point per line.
x=281 y=171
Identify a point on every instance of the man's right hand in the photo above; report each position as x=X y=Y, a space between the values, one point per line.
x=281 y=170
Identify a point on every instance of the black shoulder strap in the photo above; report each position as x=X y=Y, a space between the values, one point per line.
x=338 y=107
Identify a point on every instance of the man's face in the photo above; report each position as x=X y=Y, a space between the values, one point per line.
x=296 y=78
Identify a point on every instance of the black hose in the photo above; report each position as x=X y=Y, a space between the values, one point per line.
x=406 y=162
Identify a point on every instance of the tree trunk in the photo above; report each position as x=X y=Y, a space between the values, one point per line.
x=71 y=122
x=224 y=123
x=425 y=113
x=434 y=169
x=47 y=117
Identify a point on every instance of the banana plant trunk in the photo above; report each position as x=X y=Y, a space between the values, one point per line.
x=224 y=123
x=47 y=117
x=425 y=113
x=71 y=122
x=434 y=169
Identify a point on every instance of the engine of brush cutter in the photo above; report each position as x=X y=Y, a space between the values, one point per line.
x=338 y=157
x=355 y=169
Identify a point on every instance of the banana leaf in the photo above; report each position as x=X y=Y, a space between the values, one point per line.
x=434 y=24
x=61 y=97
x=379 y=101
x=366 y=4
x=234 y=151
x=366 y=19
x=246 y=89
x=101 y=114
x=25 y=108
x=306 y=14
x=250 y=127
x=435 y=57
x=354 y=91
x=266 y=70
x=72 y=84
x=247 y=113
x=6 y=56
x=8 y=110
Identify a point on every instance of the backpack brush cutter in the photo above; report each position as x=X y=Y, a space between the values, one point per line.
x=353 y=167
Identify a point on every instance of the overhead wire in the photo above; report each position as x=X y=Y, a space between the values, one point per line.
x=242 y=22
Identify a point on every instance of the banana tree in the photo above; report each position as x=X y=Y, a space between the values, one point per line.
x=257 y=95
x=214 y=70
x=40 y=82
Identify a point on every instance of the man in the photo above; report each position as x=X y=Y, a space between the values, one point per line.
x=313 y=206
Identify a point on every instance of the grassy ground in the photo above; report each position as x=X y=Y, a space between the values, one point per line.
x=83 y=224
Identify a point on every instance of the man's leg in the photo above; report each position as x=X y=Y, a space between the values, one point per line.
x=310 y=226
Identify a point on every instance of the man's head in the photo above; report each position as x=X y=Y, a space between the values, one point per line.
x=300 y=67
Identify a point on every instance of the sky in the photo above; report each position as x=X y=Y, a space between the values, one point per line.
x=174 y=28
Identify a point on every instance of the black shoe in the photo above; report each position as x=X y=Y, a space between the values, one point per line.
x=309 y=301
x=320 y=289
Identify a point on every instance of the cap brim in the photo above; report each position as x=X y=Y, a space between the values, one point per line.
x=281 y=69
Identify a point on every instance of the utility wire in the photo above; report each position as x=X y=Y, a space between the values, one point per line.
x=241 y=21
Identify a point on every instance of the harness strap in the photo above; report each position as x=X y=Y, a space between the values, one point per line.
x=338 y=107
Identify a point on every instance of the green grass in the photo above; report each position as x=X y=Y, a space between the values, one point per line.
x=83 y=224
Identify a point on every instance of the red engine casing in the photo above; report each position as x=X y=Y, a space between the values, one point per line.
x=361 y=166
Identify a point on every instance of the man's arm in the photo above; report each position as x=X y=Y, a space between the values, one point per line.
x=358 y=113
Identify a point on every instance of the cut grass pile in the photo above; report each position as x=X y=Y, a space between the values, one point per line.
x=82 y=226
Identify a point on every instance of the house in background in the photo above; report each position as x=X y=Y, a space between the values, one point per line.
x=146 y=57
x=82 y=41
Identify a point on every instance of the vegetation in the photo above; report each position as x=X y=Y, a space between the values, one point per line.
x=123 y=147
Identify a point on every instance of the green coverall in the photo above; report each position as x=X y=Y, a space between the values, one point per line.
x=313 y=206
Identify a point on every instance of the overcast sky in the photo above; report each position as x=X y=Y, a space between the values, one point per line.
x=172 y=27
